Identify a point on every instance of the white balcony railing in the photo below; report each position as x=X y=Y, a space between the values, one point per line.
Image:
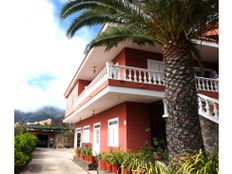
x=208 y=107
x=133 y=74
x=96 y=82
x=139 y=75
x=207 y=84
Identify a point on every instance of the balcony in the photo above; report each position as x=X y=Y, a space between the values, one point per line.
x=133 y=75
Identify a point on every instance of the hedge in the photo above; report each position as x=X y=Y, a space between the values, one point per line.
x=24 y=145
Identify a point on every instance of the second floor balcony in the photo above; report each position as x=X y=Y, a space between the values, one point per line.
x=139 y=79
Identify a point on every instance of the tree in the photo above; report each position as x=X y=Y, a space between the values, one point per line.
x=170 y=23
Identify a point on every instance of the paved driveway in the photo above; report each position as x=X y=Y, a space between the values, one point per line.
x=52 y=161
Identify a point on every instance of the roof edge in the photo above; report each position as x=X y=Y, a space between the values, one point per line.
x=87 y=51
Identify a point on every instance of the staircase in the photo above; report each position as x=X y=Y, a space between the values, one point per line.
x=208 y=107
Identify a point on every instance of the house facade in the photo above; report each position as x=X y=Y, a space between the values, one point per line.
x=116 y=98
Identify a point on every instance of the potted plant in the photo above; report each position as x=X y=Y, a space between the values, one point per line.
x=82 y=154
x=102 y=161
x=108 y=158
x=91 y=158
x=116 y=161
x=78 y=151
x=125 y=166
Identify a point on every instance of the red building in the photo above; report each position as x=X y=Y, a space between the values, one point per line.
x=116 y=98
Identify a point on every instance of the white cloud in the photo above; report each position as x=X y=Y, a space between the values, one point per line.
x=35 y=44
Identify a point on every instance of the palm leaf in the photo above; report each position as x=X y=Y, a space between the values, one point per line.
x=113 y=36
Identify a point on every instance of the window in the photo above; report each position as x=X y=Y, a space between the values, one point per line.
x=155 y=65
x=113 y=133
x=86 y=134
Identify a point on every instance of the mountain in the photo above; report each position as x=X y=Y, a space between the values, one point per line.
x=41 y=114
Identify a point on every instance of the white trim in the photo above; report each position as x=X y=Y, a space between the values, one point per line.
x=108 y=135
x=86 y=139
x=113 y=119
x=86 y=127
x=150 y=61
x=123 y=90
x=144 y=92
x=75 y=137
x=210 y=44
x=96 y=124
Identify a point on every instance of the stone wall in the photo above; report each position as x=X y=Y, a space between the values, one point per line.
x=63 y=140
x=210 y=135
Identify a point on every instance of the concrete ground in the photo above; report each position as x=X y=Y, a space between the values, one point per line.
x=53 y=161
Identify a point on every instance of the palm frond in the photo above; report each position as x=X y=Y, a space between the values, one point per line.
x=89 y=18
x=76 y=6
x=113 y=36
x=163 y=20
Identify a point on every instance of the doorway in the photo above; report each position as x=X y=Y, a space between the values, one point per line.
x=42 y=141
x=78 y=138
x=96 y=139
x=158 y=130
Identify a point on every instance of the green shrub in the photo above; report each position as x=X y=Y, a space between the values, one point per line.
x=24 y=145
x=199 y=163
x=21 y=161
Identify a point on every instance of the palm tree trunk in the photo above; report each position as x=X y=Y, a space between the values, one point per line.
x=182 y=125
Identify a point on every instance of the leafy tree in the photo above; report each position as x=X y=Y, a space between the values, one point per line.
x=24 y=145
x=171 y=24
x=20 y=129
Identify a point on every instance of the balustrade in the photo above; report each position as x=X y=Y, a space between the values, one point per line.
x=208 y=107
x=207 y=84
x=139 y=75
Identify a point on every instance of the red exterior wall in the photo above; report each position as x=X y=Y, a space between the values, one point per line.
x=134 y=118
x=138 y=58
x=138 y=120
x=209 y=94
x=103 y=117
x=81 y=85
x=120 y=58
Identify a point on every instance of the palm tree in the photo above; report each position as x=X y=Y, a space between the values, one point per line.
x=170 y=23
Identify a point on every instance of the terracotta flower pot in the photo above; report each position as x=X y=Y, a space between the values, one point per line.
x=103 y=165
x=86 y=158
x=78 y=154
x=124 y=170
x=91 y=159
x=108 y=167
x=158 y=157
x=115 y=169
x=136 y=172
x=81 y=156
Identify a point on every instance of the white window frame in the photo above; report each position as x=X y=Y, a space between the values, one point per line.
x=94 y=136
x=115 y=136
x=97 y=124
x=75 y=137
x=160 y=63
x=86 y=134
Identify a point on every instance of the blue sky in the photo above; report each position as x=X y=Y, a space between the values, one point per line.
x=41 y=81
x=44 y=58
x=63 y=24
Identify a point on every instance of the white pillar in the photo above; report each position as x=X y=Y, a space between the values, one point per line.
x=75 y=139
x=108 y=68
x=165 y=109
